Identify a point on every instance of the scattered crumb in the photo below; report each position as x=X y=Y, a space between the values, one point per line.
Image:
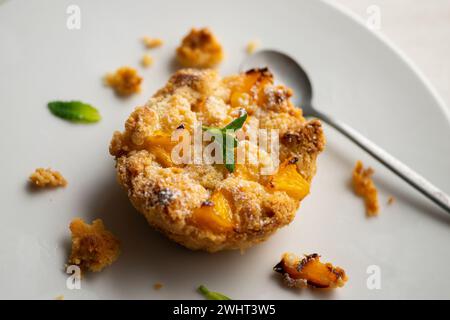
x=157 y=286
x=391 y=200
x=252 y=46
x=364 y=187
x=47 y=178
x=125 y=81
x=147 y=60
x=152 y=43
x=60 y=297
x=200 y=49
x=93 y=247
x=309 y=271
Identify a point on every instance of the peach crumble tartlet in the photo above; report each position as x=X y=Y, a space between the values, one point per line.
x=200 y=49
x=93 y=247
x=206 y=206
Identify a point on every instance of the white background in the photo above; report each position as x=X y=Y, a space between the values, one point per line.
x=421 y=29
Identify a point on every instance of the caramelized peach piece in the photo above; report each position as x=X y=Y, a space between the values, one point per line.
x=215 y=214
x=287 y=179
x=160 y=145
x=311 y=271
x=247 y=172
x=200 y=49
x=251 y=86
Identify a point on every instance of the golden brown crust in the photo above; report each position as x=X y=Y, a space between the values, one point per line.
x=169 y=196
x=93 y=247
x=47 y=178
x=200 y=49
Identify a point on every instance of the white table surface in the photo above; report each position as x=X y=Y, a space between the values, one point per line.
x=421 y=29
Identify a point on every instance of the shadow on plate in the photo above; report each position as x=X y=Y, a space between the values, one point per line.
x=147 y=256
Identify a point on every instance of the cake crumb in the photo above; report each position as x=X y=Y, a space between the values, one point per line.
x=147 y=60
x=47 y=178
x=200 y=49
x=93 y=247
x=364 y=187
x=125 y=81
x=390 y=200
x=152 y=43
x=60 y=297
x=252 y=46
x=157 y=286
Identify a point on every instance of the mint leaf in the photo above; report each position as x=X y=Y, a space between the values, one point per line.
x=236 y=124
x=75 y=111
x=228 y=151
x=210 y=295
x=227 y=132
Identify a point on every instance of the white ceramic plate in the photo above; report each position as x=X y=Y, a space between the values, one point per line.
x=357 y=77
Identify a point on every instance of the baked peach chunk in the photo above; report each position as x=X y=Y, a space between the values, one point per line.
x=125 y=81
x=310 y=271
x=250 y=87
x=160 y=145
x=215 y=207
x=200 y=49
x=93 y=247
x=288 y=179
x=215 y=214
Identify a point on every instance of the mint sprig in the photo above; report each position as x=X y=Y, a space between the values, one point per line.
x=226 y=138
x=75 y=111
x=210 y=295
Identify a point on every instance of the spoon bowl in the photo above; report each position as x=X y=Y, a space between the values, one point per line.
x=289 y=72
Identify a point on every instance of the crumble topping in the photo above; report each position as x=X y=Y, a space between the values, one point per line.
x=200 y=49
x=390 y=200
x=93 y=247
x=47 y=178
x=147 y=60
x=365 y=188
x=125 y=81
x=252 y=46
x=152 y=43
x=157 y=286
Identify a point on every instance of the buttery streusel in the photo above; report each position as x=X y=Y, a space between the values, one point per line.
x=125 y=81
x=47 y=178
x=93 y=247
x=200 y=49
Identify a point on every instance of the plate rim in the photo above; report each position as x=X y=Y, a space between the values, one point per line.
x=390 y=45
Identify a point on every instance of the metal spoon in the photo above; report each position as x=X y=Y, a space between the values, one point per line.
x=296 y=78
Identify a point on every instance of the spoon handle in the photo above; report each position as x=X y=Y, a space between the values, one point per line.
x=396 y=166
